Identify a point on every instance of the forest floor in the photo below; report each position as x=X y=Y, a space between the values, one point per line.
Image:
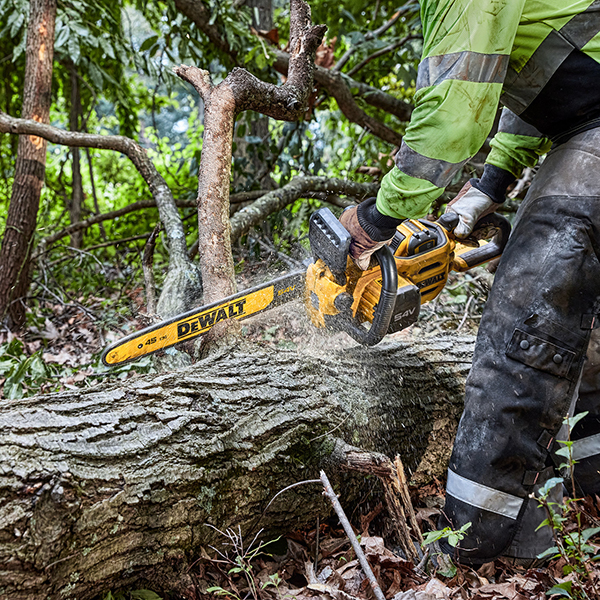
x=320 y=563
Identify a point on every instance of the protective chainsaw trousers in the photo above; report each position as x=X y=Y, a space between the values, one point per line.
x=528 y=363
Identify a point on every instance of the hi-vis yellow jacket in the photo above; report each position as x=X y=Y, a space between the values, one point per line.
x=478 y=53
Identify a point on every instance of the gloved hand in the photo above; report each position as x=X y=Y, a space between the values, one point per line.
x=370 y=230
x=470 y=204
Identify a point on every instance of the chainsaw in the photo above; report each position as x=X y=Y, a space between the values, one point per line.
x=411 y=270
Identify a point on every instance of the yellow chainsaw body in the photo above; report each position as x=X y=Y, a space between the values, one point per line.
x=424 y=254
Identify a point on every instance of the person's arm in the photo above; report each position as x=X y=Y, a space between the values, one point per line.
x=467 y=45
x=517 y=145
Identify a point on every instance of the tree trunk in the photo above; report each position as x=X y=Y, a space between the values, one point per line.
x=214 y=239
x=15 y=253
x=75 y=209
x=113 y=487
x=241 y=91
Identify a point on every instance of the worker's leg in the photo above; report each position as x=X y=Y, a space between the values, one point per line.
x=528 y=358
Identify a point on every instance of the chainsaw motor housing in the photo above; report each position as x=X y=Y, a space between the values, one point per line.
x=421 y=255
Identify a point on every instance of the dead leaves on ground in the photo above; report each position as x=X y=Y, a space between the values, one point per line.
x=337 y=574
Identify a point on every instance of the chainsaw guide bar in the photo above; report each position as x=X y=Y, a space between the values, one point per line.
x=198 y=321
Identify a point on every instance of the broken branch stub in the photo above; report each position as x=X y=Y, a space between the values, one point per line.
x=241 y=91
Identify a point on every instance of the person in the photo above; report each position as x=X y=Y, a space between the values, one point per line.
x=541 y=60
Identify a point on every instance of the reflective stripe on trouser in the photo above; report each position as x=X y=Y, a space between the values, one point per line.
x=586 y=434
x=530 y=352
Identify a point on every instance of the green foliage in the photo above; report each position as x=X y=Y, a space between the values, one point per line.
x=24 y=374
x=572 y=545
x=238 y=562
x=453 y=536
x=445 y=566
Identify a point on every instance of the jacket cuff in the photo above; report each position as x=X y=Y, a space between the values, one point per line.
x=493 y=182
x=377 y=226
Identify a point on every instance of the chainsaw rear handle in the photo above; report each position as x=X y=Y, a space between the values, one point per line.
x=493 y=249
x=384 y=309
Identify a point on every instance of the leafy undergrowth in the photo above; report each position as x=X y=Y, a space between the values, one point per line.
x=61 y=347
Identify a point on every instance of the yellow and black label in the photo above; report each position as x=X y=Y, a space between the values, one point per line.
x=198 y=321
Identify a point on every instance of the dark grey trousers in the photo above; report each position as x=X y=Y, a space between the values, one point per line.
x=528 y=363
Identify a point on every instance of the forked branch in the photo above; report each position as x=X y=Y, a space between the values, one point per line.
x=240 y=91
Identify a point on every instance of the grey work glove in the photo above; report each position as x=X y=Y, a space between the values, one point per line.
x=470 y=205
x=370 y=230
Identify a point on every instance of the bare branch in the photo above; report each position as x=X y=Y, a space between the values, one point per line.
x=362 y=559
x=381 y=52
x=242 y=91
x=376 y=98
x=238 y=198
x=133 y=238
x=202 y=19
x=147 y=265
x=199 y=78
x=299 y=187
x=97 y=219
x=158 y=187
x=371 y=35
x=337 y=85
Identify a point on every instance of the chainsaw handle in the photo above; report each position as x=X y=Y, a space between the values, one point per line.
x=493 y=249
x=384 y=309
x=490 y=251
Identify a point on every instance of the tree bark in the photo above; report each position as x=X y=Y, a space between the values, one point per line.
x=75 y=209
x=30 y=165
x=113 y=487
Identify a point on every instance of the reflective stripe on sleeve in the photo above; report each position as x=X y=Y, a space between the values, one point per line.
x=586 y=447
x=482 y=496
x=462 y=66
x=438 y=172
x=521 y=89
x=511 y=123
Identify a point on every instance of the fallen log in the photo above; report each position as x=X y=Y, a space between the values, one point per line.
x=114 y=486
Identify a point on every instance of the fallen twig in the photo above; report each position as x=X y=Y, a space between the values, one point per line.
x=362 y=559
x=147 y=265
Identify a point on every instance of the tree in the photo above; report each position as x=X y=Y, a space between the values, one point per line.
x=16 y=249
x=237 y=92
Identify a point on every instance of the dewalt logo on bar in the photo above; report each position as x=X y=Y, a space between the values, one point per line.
x=208 y=319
